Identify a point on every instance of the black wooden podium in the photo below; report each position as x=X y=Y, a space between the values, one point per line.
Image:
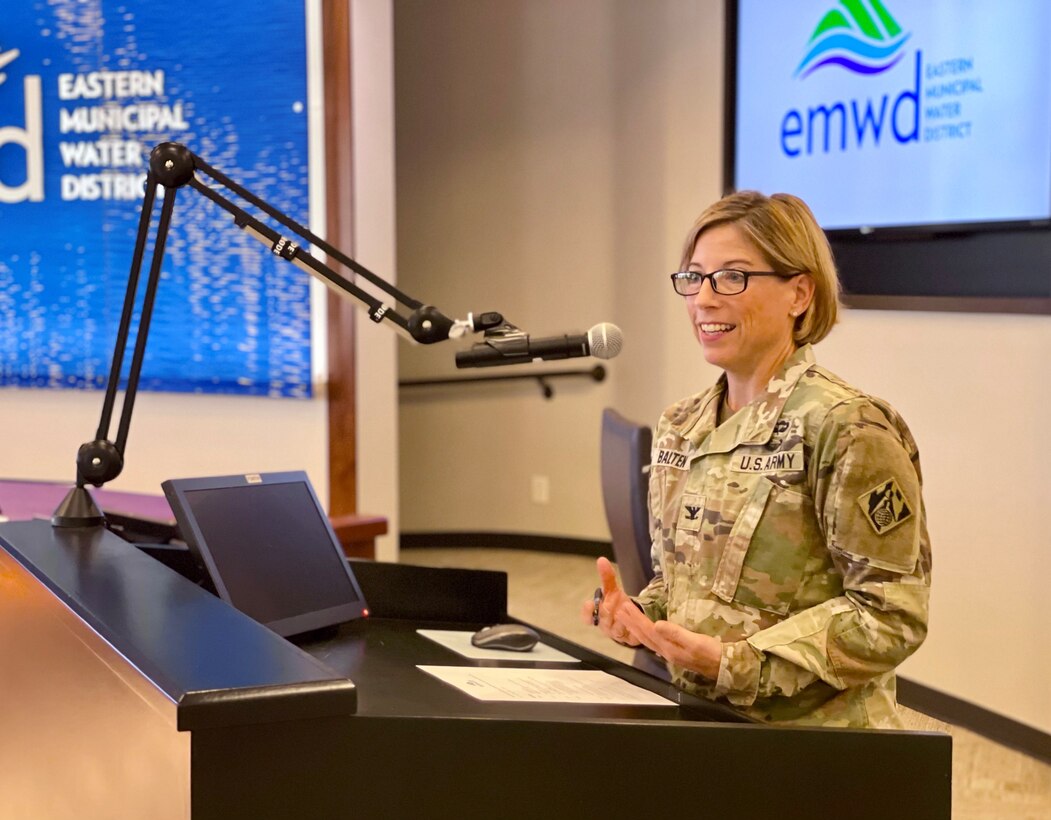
x=128 y=690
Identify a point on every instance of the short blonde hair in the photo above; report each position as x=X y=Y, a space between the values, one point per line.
x=783 y=228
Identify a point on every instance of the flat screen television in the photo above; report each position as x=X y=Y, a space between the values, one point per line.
x=268 y=547
x=894 y=116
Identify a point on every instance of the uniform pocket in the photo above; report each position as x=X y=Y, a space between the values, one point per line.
x=766 y=553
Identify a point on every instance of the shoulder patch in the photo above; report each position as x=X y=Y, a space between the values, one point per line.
x=885 y=506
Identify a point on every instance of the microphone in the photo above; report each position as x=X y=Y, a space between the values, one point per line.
x=509 y=345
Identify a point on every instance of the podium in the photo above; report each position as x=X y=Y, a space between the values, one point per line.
x=129 y=690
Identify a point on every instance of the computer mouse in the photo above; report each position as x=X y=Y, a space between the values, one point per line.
x=516 y=637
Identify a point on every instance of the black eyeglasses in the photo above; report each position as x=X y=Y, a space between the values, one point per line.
x=728 y=282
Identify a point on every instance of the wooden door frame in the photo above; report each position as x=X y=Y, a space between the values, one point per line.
x=339 y=230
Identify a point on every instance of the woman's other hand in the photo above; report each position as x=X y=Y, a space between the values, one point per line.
x=676 y=644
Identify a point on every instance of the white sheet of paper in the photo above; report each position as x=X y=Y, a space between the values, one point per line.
x=460 y=643
x=544 y=685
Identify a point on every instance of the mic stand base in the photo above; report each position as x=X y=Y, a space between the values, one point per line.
x=78 y=509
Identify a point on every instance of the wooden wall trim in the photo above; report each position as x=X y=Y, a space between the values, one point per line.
x=335 y=23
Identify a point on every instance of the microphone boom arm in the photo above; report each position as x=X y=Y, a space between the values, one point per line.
x=173 y=166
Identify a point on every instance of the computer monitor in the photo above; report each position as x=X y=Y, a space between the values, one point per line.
x=269 y=548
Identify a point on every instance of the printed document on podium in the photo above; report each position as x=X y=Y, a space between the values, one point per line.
x=545 y=685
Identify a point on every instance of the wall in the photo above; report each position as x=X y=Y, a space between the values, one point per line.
x=176 y=435
x=550 y=158
x=547 y=161
x=375 y=348
x=171 y=436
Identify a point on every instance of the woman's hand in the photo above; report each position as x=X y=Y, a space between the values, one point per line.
x=613 y=600
x=676 y=644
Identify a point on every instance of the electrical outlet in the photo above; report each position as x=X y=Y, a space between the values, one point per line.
x=541 y=490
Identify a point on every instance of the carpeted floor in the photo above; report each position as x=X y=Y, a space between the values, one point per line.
x=990 y=782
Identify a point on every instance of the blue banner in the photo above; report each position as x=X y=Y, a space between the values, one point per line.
x=87 y=89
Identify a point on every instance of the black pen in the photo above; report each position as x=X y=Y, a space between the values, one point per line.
x=594 y=608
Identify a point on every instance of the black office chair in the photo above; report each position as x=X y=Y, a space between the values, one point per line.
x=625 y=481
x=625 y=467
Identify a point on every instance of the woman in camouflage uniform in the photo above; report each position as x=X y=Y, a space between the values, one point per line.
x=790 y=548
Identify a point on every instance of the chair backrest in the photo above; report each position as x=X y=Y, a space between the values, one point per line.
x=625 y=479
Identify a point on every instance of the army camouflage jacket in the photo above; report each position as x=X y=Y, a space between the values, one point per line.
x=795 y=533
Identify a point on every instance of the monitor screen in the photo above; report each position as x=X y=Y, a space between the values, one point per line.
x=886 y=114
x=269 y=548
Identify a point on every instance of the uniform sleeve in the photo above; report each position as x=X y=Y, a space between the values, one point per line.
x=867 y=495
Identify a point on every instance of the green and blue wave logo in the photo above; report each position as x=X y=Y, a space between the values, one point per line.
x=859 y=35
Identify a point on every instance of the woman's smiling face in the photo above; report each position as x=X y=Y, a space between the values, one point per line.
x=748 y=334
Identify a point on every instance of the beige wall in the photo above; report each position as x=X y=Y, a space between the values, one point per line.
x=548 y=160
x=171 y=436
x=375 y=349
x=550 y=157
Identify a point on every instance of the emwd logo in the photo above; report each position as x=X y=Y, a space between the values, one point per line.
x=863 y=38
